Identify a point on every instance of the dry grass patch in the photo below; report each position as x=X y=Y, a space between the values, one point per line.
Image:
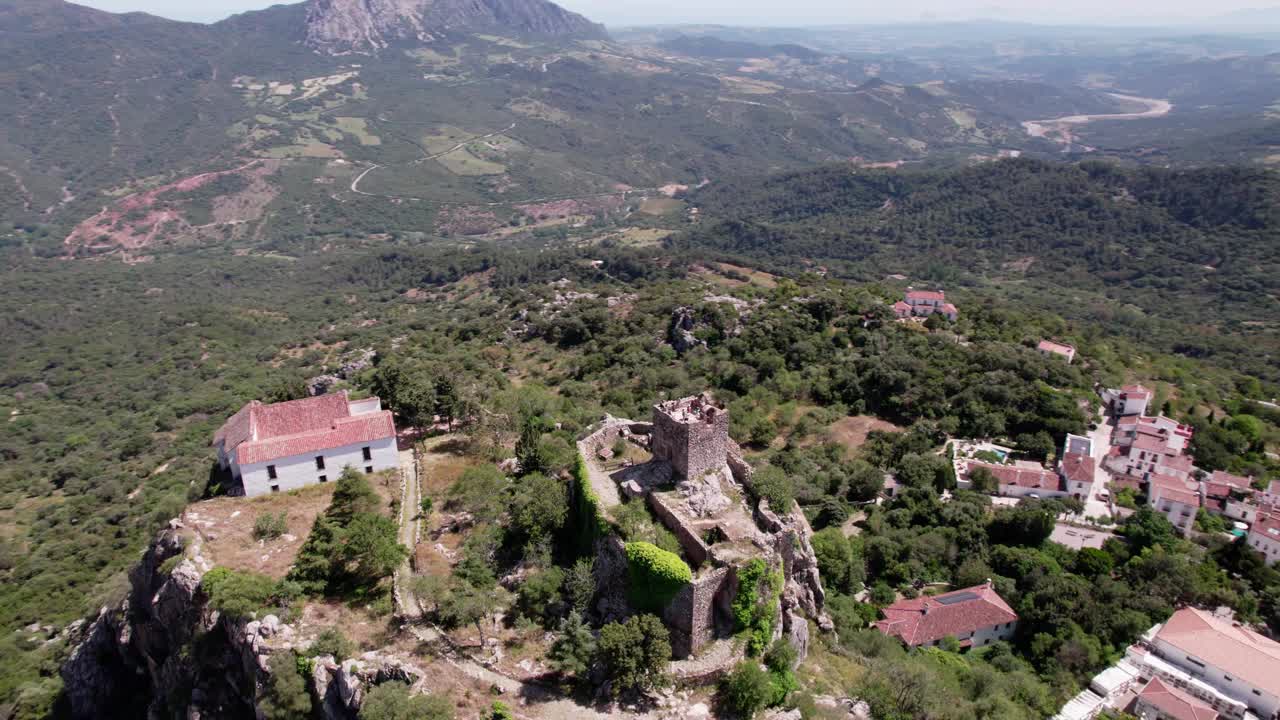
x=852 y=431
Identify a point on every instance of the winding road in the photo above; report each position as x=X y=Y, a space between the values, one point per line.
x=1155 y=108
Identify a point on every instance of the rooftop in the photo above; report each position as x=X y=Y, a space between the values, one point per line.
x=698 y=408
x=1135 y=391
x=1267 y=525
x=929 y=295
x=1078 y=468
x=1021 y=477
x=261 y=433
x=1235 y=481
x=1174 y=703
x=926 y=619
x=1225 y=645
x=1056 y=347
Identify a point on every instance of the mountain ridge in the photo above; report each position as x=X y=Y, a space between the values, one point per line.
x=363 y=26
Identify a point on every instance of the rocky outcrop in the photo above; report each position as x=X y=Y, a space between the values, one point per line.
x=165 y=652
x=368 y=26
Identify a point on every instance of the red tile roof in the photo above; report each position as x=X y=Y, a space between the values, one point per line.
x=1151 y=444
x=262 y=433
x=927 y=619
x=926 y=295
x=1174 y=703
x=1021 y=477
x=949 y=309
x=1056 y=347
x=1186 y=492
x=1178 y=462
x=1267 y=526
x=1078 y=468
x=1232 y=648
x=1225 y=478
x=901 y=307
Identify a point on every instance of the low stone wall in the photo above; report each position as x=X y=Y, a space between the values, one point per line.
x=694 y=548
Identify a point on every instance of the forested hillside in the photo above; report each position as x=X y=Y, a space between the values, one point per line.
x=1187 y=259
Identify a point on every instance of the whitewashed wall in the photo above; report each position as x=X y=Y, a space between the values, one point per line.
x=300 y=470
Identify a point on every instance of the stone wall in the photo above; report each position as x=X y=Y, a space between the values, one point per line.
x=691 y=615
x=692 y=434
x=694 y=548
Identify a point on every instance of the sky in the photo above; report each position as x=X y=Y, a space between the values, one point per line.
x=792 y=12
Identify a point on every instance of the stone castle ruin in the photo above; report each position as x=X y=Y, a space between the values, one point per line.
x=696 y=485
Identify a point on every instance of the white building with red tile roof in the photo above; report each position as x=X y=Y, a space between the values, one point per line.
x=1128 y=400
x=288 y=445
x=1158 y=701
x=923 y=303
x=975 y=616
x=1177 y=499
x=1049 y=347
x=1016 y=481
x=1264 y=534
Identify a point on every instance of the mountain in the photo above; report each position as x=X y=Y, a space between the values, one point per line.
x=339 y=26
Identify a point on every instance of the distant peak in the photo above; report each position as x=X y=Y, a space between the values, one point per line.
x=339 y=26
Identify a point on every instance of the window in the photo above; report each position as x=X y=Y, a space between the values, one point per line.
x=368 y=470
x=1227 y=678
x=1195 y=662
x=275 y=488
x=324 y=478
x=368 y=454
x=1258 y=693
x=271 y=472
x=319 y=462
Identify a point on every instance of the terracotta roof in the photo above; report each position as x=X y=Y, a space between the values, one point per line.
x=1135 y=390
x=1174 y=703
x=1151 y=444
x=261 y=433
x=1055 y=347
x=1225 y=478
x=1178 y=462
x=926 y=619
x=1021 y=477
x=901 y=307
x=1267 y=526
x=1078 y=468
x=949 y=309
x=1232 y=648
x=1186 y=492
x=929 y=295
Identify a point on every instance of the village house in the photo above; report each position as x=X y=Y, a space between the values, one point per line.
x=923 y=303
x=1230 y=496
x=1177 y=499
x=1146 y=445
x=1128 y=400
x=1051 y=348
x=1019 y=482
x=975 y=616
x=284 y=446
x=1264 y=534
x=1158 y=701
x=1220 y=663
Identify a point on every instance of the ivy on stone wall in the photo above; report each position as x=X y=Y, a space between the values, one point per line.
x=755 y=608
x=654 y=575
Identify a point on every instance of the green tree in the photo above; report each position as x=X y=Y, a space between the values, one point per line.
x=285 y=696
x=635 y=654
x=467 y=605
x=984 y=481
x=370 y=550
x=352 y=495
x=746 y=690
x=580 y=585
x=481 y=491
x=540 y=506
x=331 y=641
x=393 y=701
x=573 y=652
x=538 y=597
x=772 y=484
x=835 y=560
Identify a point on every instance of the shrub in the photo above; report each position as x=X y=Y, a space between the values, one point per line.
x=332 y=642
x=747 y=690
x=654 y=575
x=500 y=711
x=392 y=701
x=538 y=597
x=286 y=696
x=635 y=654
x=269 y=526
x=773 y=485
x=238 y=594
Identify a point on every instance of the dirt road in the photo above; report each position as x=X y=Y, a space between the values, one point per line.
x=1155 y=108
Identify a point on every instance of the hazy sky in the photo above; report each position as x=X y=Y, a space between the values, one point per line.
x=790 y=12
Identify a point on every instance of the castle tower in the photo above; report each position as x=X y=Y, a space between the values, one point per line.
x=692 y=434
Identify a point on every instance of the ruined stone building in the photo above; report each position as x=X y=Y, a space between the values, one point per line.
x=697 y=485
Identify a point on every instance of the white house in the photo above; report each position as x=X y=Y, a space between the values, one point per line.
x=1264 y=535
x=288 y=445
x=975 y=616
x=1220 y=662
x=1128 y=400
x=923 y=303
x=1176 y=499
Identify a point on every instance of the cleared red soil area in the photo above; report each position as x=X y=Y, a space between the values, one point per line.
x=852 y=431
